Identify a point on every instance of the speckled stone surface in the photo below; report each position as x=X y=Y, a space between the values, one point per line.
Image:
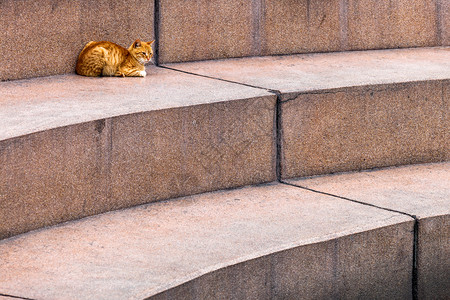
x=35 y=38
x=421 y=190
x=205 y=29
x=121 y=22
x=44 y=37
x=294 y=74
x=196 y=134
x=39 y=104
x=363 y=128
x=391 y=24
x=433 y=262
x=199 y=30
x=443 y=7
x=446 y=117
x=183 y=151
x=72 y=146
x=51 y=177
x=293 y=26
x=256 y=242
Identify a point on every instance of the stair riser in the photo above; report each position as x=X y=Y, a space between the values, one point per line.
x=34 y=44
x=247 y=28
x=50 y=177
x=373 y=264
x=365 y=127
x=433 y=253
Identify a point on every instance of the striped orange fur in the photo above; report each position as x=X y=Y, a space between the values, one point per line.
x=109 y=59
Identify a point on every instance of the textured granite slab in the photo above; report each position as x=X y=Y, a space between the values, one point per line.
x=420 y=190
x=44 y=37
x=72 y=146
x=255 y=242
x=304 y=73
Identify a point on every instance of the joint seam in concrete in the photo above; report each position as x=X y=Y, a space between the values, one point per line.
x=278 y=135
x=15 y=297
x=415 y=269
x=215 y=78
x=347 y=199
x=156 y=29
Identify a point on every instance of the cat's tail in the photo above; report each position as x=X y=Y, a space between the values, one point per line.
x=91 y=61
x=87 y=45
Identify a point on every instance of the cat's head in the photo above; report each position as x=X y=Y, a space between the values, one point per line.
x=142 y=51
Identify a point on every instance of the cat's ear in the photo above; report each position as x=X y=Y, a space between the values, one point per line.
x=137 y=44
x=151 y=42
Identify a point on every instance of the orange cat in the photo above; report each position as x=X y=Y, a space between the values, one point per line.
x=109 y=59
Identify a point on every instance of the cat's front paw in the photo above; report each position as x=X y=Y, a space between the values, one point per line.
x=142 y=73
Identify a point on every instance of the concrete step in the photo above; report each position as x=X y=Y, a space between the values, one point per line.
x=410 y=190
x=45 y=37
x=270 y=241
x=72 y=146
x=353 y=110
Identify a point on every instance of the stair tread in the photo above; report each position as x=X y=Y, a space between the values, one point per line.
x=138 y=252
x=39 y=104
x=321 y=71
x=425 y=194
